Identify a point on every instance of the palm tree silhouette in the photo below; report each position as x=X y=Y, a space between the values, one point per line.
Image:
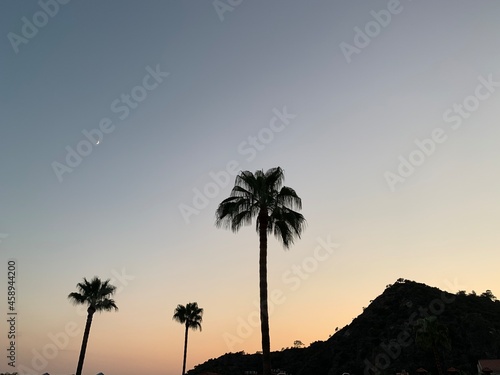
x=191 y=316
x=261 y=195
x=95 y=294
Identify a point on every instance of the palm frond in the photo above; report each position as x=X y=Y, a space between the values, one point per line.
x=260 y=193
x=191 y=315
x=95 y=293
x=275 y=178
x=287 y=225
x=289 y=198
x=106 y=305
x=179 y=314
x=76 y=298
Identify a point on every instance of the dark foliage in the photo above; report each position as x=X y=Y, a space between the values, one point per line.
x=382 y=339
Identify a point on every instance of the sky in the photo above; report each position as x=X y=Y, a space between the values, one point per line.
x=124 y=124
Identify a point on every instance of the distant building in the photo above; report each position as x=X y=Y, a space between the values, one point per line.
x=488 y=367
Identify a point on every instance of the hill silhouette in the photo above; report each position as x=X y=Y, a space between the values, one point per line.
x=382 y=339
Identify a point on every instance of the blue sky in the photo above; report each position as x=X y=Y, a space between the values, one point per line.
x=264 y=84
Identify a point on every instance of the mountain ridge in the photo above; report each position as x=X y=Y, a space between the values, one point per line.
x=381 y=340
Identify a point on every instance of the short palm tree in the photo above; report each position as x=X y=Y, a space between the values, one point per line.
x=432 y=335
x=261 y=195
x=96 y=295
x=191 y=316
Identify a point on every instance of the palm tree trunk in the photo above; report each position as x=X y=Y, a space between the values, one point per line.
x=264 y=314
x=79 y=368
x=436 y=358
x=185 y=350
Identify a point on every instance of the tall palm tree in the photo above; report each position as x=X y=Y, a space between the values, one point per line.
x=96 y=295
x=261 y=195
x=191 y=316
x=432 y=335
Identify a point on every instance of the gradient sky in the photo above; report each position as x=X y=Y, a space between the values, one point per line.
x=352 y=118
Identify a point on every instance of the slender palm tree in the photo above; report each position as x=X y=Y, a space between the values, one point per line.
x=96 y=295
x=261 y=195
x=432 y=335
x=191 y=316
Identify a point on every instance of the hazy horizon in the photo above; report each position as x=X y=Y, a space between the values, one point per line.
x=125 y=122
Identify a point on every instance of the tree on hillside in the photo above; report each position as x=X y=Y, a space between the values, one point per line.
x=261 y=195
x=298 y=344
x=96 y=295
x=191 y=316
x=488 y=294
x=433 y=336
